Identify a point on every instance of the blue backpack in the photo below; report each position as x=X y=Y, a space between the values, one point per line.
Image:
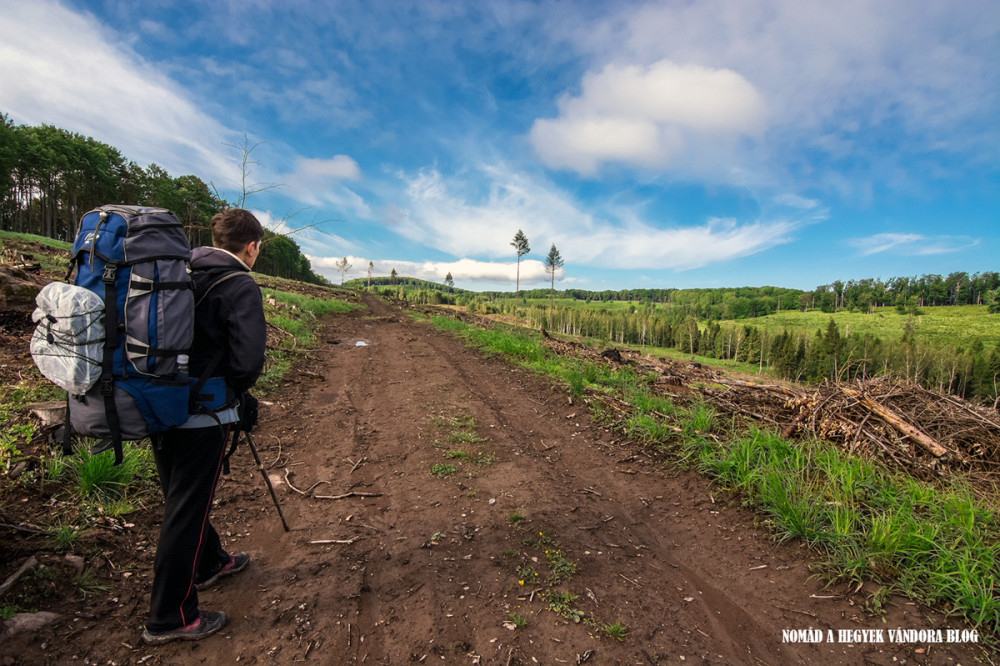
x=130 y=382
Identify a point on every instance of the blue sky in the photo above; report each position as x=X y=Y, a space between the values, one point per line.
x=656 y=144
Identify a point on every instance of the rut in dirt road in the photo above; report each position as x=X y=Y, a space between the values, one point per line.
x=536 y=530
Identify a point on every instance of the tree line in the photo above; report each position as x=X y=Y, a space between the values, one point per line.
x=50 y=177
x=957 y=288
x=970 y=371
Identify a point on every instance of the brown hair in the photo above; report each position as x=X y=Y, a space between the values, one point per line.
x=233 y=228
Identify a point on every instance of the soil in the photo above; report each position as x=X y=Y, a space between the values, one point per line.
x=387 y=563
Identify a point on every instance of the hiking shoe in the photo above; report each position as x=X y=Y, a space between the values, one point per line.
x=208 y=623
x=236 y=564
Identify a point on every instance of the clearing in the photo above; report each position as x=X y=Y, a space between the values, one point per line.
x=446 y=508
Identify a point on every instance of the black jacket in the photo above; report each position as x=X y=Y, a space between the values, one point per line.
x=230 y=318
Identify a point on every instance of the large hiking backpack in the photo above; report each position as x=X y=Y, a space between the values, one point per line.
x=126 y=384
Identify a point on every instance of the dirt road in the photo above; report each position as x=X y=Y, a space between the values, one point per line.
x=463 y=567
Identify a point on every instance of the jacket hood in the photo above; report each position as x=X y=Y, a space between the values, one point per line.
x=203 y=258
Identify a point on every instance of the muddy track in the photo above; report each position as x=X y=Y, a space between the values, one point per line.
x=425 y=569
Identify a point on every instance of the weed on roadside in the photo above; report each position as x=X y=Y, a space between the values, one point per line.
x=87 y=583
x=561 y=603
x=62 y=536
x=616 y=630
x=441 y=470
x=562 y=569
x=519 y=621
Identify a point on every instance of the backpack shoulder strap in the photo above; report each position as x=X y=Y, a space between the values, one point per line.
x=224 y=275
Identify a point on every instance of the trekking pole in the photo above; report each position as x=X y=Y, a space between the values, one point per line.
x=267 y=480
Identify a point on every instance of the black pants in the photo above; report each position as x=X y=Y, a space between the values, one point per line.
x=189 y=550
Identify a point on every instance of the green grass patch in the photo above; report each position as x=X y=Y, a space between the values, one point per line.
x=942 y=325
x=940 y=545
x=615 y=630
x=95 y=477
x=441 y=470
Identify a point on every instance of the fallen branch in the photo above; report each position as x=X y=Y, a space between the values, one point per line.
x=353 y=493
x=30 y=562
x=337 y=541
x=898 y=423
x=302 y=492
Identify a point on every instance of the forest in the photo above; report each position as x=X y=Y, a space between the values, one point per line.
x=49 y=178
x=903 y=340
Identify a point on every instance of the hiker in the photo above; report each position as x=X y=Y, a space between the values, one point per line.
x=230 y=333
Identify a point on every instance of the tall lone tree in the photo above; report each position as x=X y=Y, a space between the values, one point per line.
x=449 y=280
x=520 y=245
x=553 y=262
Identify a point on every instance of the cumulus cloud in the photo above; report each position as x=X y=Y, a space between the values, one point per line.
x=53 y=71
x=649 y=116
x=912 y=244
x=830 y=74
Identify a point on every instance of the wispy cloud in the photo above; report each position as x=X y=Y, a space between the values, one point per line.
x=796 y=201
x=53 y=71
x=450 y=215
x=912 y=244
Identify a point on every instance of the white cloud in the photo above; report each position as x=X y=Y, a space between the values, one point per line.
x=462 y=270
x=830 y=75
x=649 y=116
x=912 y=244
x=796 y=201
x=321 y=183
x=67 y=69
x=339 y=166
x=444 y=214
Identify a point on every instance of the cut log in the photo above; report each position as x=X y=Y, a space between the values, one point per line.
x=893 y=419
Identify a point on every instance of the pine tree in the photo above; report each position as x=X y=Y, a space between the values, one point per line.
x=520 y=245
x=553 y=262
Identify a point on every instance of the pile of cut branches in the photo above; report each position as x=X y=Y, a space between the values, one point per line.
x=917 y=429
x=923 y=432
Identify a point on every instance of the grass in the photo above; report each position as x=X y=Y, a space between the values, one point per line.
x=297 y=332
x=942 y=325
x=938 y=544
x=615 y=630
x=63 y=536
x=95 y=476
x=87 y=583
x=515 y=518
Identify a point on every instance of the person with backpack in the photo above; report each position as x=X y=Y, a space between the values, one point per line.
x=229 y=336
